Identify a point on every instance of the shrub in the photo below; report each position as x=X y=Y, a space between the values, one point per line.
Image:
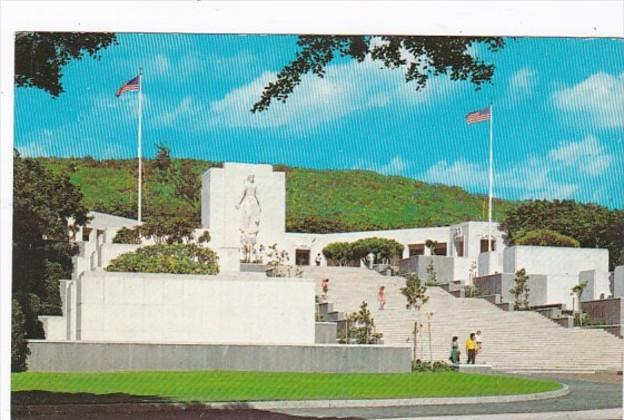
x=361 y=326
x=167 y=258
x=316 y=224
x=382 y=248
x=521 y=291
x=128 y=236
x=437 y=366
x=545 y=237
x=19 y=345
x=345 y=252
x=169 y=229
x=339 y=252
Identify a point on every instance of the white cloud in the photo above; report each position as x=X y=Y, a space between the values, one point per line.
x=345 y=89
x=161 y=64
x=589 y=155
x=169 y=117
x=600 y=97
x=460 y=172
x=395 y=166
x=521 y=84
x=556 y=174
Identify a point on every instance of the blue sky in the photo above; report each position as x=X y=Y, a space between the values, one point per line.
x=558 y=114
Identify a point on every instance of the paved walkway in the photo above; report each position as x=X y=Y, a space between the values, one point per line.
x=587 y=392
x=606 y=414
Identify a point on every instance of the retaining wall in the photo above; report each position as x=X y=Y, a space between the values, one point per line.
x=81 y=356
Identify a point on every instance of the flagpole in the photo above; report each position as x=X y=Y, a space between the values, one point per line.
x=491 y=181
x=140 y=99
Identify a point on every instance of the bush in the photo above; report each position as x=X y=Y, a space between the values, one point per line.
x=361 y=326
x=315 y=224
x=167 y=258
x=339 y=252
x=437 y=366
x=345 y=252
x=545 y=237
x=19 y=345
x=128 y=236
x=384 y=249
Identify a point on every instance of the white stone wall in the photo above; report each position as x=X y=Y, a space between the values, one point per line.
x=618 y=281
x=554 y=260
x=559 y=289
x=227 y=308
x=222 y=189
x=597 y=284
x=490 y=265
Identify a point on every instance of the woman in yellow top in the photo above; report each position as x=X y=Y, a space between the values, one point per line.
x=471 y=348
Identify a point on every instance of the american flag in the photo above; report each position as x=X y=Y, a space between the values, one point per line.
x=131 y=85
x=478 y=116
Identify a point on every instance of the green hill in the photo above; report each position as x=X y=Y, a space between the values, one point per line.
x=317 y=200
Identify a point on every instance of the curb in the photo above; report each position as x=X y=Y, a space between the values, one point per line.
x=402 y=402
x=601 y=414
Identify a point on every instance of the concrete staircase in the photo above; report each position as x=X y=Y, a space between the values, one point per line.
x=520 y=340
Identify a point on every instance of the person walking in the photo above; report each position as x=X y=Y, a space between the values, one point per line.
x=471 y=348
x=318 y=260
x=381 y=297
x=454 y=351
x=325 y=289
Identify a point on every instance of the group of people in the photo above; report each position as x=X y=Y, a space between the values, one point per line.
x=474 y=343
x=474 y=346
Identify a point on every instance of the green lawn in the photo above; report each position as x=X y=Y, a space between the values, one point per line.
x=255 y=386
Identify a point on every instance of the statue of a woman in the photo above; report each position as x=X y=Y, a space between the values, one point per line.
x=250 y=207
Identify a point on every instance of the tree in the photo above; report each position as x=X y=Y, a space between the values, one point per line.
x=41 y=56
x=421 y=57
x=383 y=249
x=415 y=293
x=577 y=291
x=432 y=245
x=593 y=226
x=127 y=235
x=339 y=252
x=167 y=258
x=361 y=326
x=278 y=266
x=162 y=162
x=545 y=237
x=432 y=276
x=43 y=204
x=520 y=291
x=317 y=224
x=19 y=345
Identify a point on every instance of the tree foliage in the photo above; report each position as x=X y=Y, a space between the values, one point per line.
x=383 y=249
x=345 y=253
x=162 y=162
x=432 y=276
x=19 y=345
x=278 y=263
x=43 y=202
x=167 y=258
x=545 y=237
x=520 y=291
x=415 y=292
x=593 y=226
x=41 y=56
x=421 y=58
x=317 y=224
x=361 y=326
x=341 y=253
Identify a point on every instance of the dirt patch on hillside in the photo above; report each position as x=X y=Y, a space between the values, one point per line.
x=58 y=405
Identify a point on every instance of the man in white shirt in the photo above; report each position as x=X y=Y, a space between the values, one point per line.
x=479 y=342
